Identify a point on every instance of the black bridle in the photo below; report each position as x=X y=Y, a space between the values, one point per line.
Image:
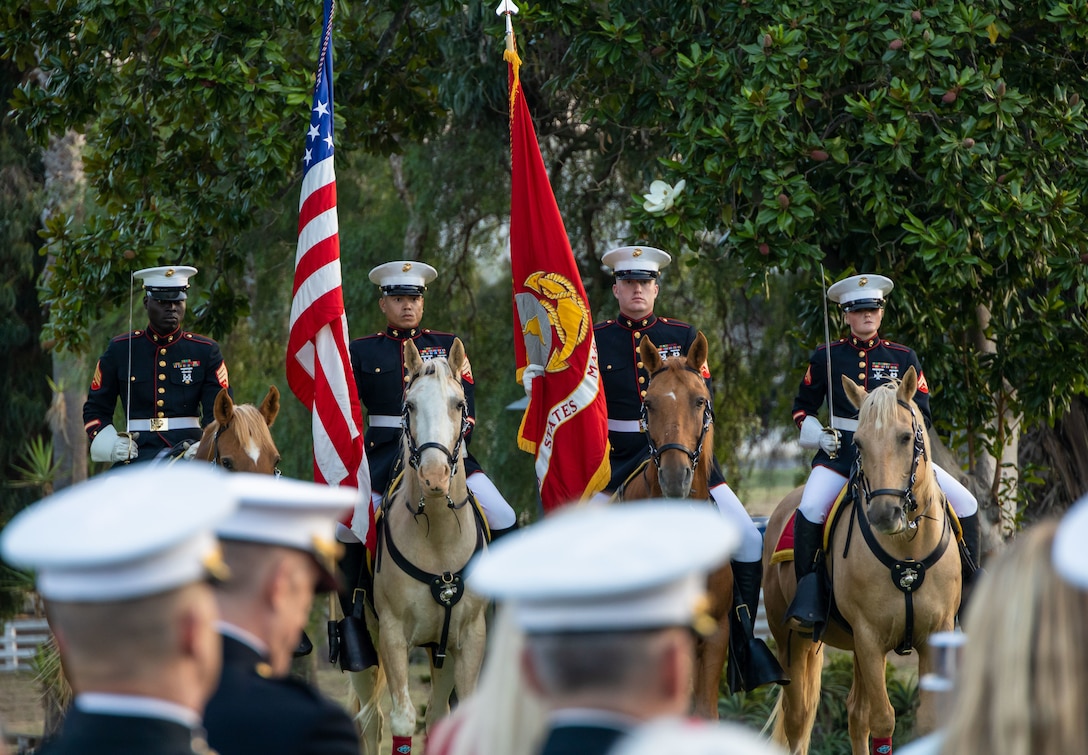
x=862 y=492
x=416 y=452
x=217 y=460
x=693 y=456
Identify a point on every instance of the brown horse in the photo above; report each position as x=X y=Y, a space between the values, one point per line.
x=240 y=438
x=428 y=531
x=893 y=566
x=679 y=422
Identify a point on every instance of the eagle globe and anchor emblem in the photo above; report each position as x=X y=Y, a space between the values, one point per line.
x=554 y=306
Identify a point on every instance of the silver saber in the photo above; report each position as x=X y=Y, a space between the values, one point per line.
x=827 y=350
x=128 y=383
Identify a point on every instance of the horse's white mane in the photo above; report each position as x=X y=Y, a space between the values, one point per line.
x=880 y=408
x=882 y=403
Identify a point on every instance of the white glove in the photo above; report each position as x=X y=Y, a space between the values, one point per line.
x=811 y=430
x=815 y=435
x=829 y=441
x=531 y=371
x=109 y=445
x=190 y=452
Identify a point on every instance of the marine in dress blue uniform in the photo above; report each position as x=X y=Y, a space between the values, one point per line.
x=377 y=362
x=125 y=588
x=169 y=394
x=278 y=544
x=637 y=269
x=607 y=633
x=868 y=360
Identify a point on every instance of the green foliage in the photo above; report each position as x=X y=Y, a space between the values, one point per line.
x=24 y=368
x=943 y=145
x=183 y=106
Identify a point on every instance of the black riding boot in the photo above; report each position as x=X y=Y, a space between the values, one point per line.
x=496 y=534
x=808 y=611
x=970 y=556
x=750 y=658
x=305 y=646
x=349 y=640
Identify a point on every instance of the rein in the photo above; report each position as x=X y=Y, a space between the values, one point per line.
x=693 y=456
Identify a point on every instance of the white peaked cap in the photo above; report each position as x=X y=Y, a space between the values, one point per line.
x=860 y=288
x=290 y=513
x=169 y=276
x=1070 y=552
x=695 y=737
x=622 y=567
x=124 y=534
x=403 y=277
x=643 y=262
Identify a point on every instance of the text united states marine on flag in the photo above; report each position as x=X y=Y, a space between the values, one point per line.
x=318 y=366
x=566 y=422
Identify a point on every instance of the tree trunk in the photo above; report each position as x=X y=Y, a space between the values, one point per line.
x=998 y=510
x=64 y=186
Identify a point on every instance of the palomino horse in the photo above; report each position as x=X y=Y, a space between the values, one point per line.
x=679 y=422
x=239 y=439
x=428 y=530
x=894 y=576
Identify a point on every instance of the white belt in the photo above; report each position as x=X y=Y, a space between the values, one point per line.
x=842 y=423
x=383 y=420
x=624 y=426
x=163 y=424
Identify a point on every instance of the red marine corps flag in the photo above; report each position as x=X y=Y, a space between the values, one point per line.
x=566 y=422
x=318 y=366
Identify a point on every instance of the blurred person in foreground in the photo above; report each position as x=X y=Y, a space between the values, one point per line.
x=1022 y=687
x=603 y=600
x=126 y=594
x=280 y=548
x=695 y=737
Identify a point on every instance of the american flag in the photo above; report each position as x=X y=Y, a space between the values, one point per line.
x=318 y=366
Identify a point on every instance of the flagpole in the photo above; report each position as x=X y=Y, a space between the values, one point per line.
x=508 y=9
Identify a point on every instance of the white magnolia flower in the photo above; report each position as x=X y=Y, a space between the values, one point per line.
x=661 y=196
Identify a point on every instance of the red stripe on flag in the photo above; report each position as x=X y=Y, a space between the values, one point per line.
x=318 y=366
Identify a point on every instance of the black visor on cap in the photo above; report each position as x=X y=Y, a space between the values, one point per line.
x=403 y=290
x=167 y=294
x=863 y=304
x=636 y=275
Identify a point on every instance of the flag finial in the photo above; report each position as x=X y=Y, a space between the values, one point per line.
x=508 y=9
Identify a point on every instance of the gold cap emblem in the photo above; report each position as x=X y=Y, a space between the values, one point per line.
x=636 y=253
x=406 y=267
x=215 y=566
x=863 y=282
x=169 y=272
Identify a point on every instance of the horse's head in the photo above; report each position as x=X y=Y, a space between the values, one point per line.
x=239 y=440
x=678 y=415
x=435 y=416
x=894 y=472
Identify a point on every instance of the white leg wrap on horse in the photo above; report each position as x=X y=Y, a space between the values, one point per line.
x=822 y=486
x=751 y=541
x=963 y=502
x=498 y=512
